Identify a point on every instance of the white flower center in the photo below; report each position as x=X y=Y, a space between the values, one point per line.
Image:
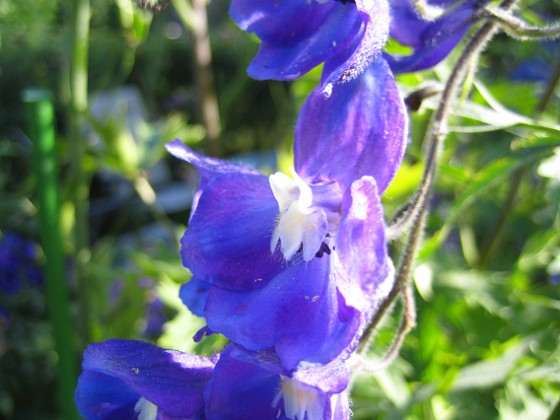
x=146 y=409
x=300 y=224
x=300 y=400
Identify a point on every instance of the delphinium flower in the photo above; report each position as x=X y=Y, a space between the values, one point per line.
x=431 y=41
x=345 y=35
x=155 y=316
x=298 y=264
x=124 y=379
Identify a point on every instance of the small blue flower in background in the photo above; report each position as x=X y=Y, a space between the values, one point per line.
x=299 y=35
x=431 y=41
x=18 y=263
x=538 y=67
x=298 y=264
x=132 y=379
x=155 y=316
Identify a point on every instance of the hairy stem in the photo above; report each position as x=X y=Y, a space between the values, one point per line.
x=519 y=29
x=401 y=285
x=437 y=131
x=415 y=215
x=408 y=322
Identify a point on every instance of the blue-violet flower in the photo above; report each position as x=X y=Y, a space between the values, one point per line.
x=298 y=264
x=431 y=41
x=124 y=379
x=298 y=35
x=19 y=265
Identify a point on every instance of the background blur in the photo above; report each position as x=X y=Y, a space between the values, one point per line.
x=488 y=277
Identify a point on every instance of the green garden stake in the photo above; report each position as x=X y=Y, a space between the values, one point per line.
x=40 y=127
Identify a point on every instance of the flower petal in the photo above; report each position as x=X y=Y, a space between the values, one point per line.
x=363 y=122
x=249 y=385
x=299 y=313
x=240 y=390
x=118 y=373
x=374 y=33
x=194 y=294
x=361 y=256
x=296 y=35
x=207 y=167
x=431 y=41
x=100 y=396
x=227 y=242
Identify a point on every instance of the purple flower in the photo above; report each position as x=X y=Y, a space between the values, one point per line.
x=155 y=316
x=431 y=41
x=131 y=379
x=297 y=264
x=124 y=379
x=18 y=263
x=298 y=35
x=254 y=385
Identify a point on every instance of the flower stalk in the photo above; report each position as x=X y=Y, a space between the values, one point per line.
x=413 y=217
x=40 y=123
x=519 y=29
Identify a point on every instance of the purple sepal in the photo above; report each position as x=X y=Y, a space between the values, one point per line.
x=194 y=294
x=248 y=385
x=363 y=50
x=362 y=255
x=431 y=41
x=228 y=240
x=118 y=373
x=300 y=313
x=360 y=130
x=207 y=167
x=299 y=35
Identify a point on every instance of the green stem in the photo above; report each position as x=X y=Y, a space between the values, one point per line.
x=408 y=322
x=80 y=178
x=401 y=286
x=415 y=214
x=40 y=122
x=437 y=131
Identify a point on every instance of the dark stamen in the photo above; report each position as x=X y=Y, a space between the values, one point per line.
x=323 y=250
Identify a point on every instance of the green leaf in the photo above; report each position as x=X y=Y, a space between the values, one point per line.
x=480 y=182
x=493 y=117
x=489 y=373
x=535 y=141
